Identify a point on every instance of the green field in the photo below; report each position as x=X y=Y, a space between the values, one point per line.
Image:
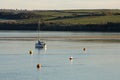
x=75 y=16
x=90 y=20
x=66 y=17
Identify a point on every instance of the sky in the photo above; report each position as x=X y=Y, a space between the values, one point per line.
x=59 y=4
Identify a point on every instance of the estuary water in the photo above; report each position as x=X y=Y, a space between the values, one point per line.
x=100 y=60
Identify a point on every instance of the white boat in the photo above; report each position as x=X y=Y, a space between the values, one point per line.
x=39 y=44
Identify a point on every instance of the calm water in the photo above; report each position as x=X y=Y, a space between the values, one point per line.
x=101 y=60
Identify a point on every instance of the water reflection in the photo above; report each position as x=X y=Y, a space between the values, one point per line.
x=40 y=53
x=42 y=49
x=39 y=64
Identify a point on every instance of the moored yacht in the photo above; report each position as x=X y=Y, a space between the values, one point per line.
x=39 y=44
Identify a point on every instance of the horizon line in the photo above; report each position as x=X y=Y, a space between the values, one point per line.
x=63 y=9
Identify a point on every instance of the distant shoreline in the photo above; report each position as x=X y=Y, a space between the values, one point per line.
x=96 y=20
x=109 y=27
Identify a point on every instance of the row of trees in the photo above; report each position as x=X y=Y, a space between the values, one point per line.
x=21 y=15
x=109 y=27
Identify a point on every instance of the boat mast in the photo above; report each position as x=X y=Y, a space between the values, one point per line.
x=38 y=30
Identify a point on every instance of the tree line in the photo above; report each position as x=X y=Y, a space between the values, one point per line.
x=109 y=27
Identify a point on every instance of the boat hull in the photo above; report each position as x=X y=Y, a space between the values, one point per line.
x=40 y=45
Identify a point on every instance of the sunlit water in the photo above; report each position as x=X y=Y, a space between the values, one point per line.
x=100 y=61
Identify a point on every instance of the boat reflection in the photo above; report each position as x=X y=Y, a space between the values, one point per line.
x=42 y=49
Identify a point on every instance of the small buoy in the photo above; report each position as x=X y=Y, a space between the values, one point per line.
x=30 y=52
x=84 y=49
x=39 y=66
x=71 y=58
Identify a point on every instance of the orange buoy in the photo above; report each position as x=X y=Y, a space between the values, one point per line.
x=30 y=52
x=39 y=66
x=84 y=49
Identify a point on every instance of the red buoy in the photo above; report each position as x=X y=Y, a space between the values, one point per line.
x=70 y=58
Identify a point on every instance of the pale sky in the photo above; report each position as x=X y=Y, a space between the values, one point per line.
x=59 y=4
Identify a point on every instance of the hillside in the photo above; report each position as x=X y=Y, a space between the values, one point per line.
x=66 y=20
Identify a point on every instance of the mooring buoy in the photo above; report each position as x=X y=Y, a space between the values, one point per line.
x=39 y=66
x=71 y=58
x=84 y=49
x=30 y=52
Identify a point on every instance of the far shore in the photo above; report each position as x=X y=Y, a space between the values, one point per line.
x=91 y=20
